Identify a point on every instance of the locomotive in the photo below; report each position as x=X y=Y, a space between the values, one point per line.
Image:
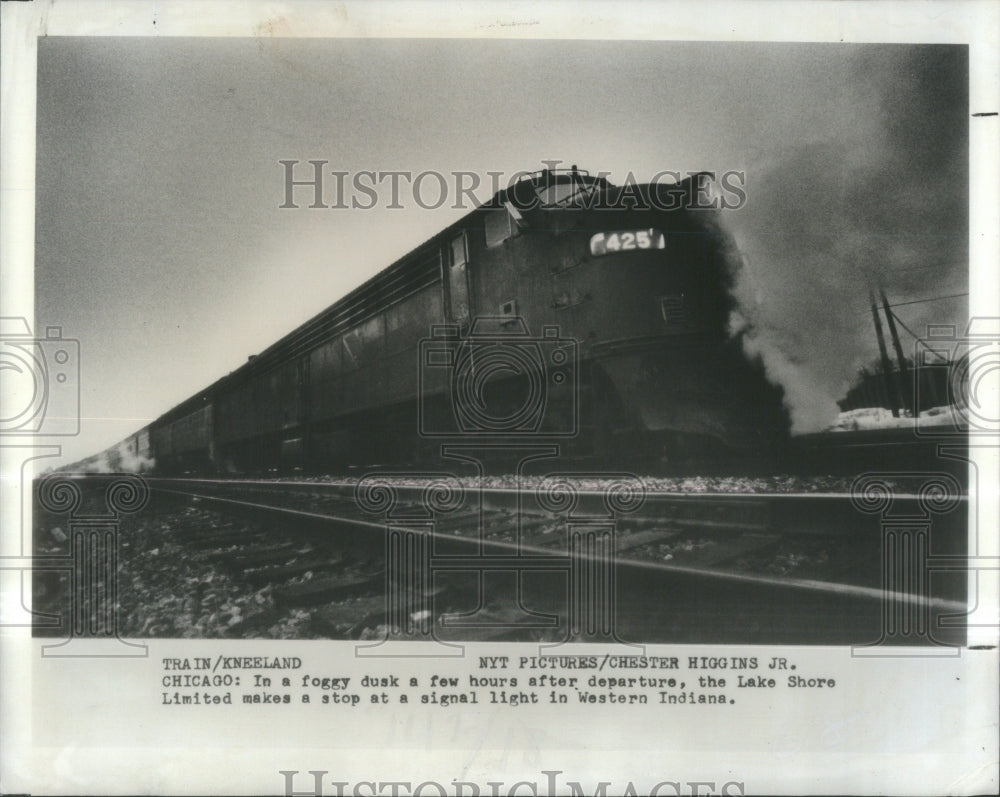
x=567 y=309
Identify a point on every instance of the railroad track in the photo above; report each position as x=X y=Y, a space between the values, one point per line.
x=483 y=562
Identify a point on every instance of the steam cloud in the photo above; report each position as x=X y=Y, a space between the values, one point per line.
x=880 y=203
x=116 y=460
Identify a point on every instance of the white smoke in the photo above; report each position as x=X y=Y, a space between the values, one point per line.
x=133 y=463
x=119 y=459
x=880 y=204
x=808 y=401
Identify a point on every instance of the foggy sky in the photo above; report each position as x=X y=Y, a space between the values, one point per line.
x=161 y=246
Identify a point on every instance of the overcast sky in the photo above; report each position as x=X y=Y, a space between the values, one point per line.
x=162 y=248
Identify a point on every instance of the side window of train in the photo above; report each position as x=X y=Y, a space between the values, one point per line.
x=458 y=280
x=497 y=227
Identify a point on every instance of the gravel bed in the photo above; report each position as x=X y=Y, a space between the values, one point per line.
x=163 y=591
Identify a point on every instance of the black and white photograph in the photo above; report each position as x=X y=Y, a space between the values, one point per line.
x=531 y=286
x=636 y=351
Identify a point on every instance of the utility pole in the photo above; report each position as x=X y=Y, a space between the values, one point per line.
x=909 y=398
x=890 y=385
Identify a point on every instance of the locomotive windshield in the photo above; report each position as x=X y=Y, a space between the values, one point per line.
x=566 y=192
x=564 y=187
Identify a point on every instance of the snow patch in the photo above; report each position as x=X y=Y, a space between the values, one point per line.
x=881 y=418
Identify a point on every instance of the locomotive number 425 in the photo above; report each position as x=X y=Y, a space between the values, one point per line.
x=606 y=243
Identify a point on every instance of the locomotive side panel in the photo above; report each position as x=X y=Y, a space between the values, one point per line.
x=259 y=420
x=375 y=363
x=363 y=379
x=185 y=443
x=406 y=324
x=162 y=443
x=193 y=431
x=302 y=407
x=363 y=371
x=498 y=282
x=279 y=396
x=236 y=414
x=325 y=392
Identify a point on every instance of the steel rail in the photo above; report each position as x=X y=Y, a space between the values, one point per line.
x=807 y=585
x=525 y=489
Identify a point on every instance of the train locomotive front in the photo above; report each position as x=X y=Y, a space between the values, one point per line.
x=640 y=278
